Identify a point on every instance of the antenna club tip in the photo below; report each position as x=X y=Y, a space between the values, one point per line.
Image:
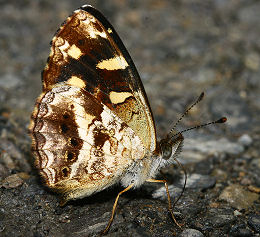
x=222 y=120
x=201 y=96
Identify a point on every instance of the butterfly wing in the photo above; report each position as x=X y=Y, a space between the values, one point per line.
x=87 y=52
x=80 y=146
x=93 y=120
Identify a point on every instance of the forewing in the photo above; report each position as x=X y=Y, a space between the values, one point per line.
x=87 y=52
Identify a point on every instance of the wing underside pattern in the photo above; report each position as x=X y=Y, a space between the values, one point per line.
x=88 y=48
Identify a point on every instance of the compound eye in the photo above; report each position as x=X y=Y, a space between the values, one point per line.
x=166 y=149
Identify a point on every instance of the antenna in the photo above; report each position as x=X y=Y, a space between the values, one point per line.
x=171 y=137
x=186 y=112
x=221 y=120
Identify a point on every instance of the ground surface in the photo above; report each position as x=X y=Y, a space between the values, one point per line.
x=181 y=48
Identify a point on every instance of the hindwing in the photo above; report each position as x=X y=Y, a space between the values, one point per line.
x=80 y=146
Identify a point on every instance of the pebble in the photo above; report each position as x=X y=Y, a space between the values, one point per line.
x=237 y=213
x=194 y=149
x=198 y=181
x=10 y=81
x=13 y=157
x=222 y=219
x=220 y=174
x=240 y=230
x=253 y=189
x=160 y=193
x=245 y=140
x=3 y=171
x=237 y=197
x=256 y=163
x=252 y=61
x=8 y=161
x=254 y=222
x=191 y=233
x=249 y=15
x=12 y=181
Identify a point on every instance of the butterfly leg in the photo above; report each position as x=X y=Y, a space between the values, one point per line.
x=168 y=197
x=114 y=208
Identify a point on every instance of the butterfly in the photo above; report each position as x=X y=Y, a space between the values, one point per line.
x=92 y=125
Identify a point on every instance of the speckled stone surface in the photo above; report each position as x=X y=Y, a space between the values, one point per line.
x=180 y=48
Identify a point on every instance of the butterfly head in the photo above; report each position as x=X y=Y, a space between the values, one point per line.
x=171 y=146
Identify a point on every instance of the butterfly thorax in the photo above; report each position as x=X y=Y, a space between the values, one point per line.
x=150 y=165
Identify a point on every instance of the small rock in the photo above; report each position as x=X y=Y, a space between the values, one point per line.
x=249 y=14
x=13 y=157
x=10 y=81
x=256 y=163
x=24 y=175
x=245 y=140
x=245 y=181
x=221 y=175
x=237 y=213
x=254 y=222
x=238 y=197
x=12 y=181
x=3 y=171
x=64 y=218
x=222 y=219
x=191 y=233
x=11 y=149
x=160 y=193
x=240 y=230
x=253 y=189
x=214 y=205
x=198 y=147
x=198 y=181
x=252 y=61
x=8 y=161
x=205 y=75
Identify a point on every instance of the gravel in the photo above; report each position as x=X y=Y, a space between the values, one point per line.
x=180 y=48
